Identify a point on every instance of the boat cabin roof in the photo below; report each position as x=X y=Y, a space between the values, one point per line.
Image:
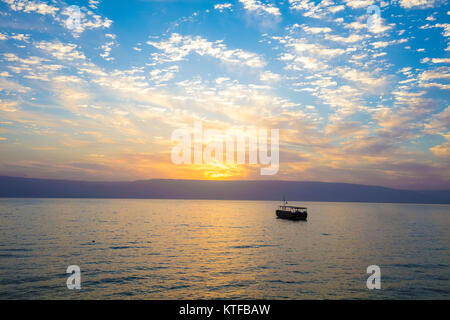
x=291 y=207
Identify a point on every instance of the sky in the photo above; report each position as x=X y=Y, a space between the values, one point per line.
x=356 y=98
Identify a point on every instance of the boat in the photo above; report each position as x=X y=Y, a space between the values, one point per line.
x=292 y=213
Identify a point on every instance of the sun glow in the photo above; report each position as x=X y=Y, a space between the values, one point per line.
x=221 y=171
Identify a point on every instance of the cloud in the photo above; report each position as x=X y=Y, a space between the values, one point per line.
x=178 y=47
x=442 y=150
x=223 y=6
x=259 y=7
x=356 y=25
x=439 y=123
x=310 y=8
x=302 y=54
x=438 y=73
x=60 y=50
x=87 y=20
x=164 y=75
x=15 y=36
x=364 y=78
x=12 y=86
x=335 y=9
x=94 y=4
x=357 y=4
x=347 y=108
x=347 y=129
x=107 y=47
x=445 y=26
x=31 y=6
x=381 y=44
x=314 y=49
x=440 y=60
x=315 y=30
x=30 y=60
x=435 y=85
x=350 y=39
x=268 y=76
x=8 y=106
x=417 y=3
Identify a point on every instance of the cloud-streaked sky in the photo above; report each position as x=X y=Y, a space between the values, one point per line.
x=353 y=104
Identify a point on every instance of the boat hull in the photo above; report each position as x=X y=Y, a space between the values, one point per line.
x=291 y=216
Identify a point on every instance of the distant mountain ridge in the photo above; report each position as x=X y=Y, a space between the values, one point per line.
x=16 y=187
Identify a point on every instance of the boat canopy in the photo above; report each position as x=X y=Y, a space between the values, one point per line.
x=295 y=208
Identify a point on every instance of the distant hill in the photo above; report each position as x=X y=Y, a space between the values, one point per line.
x=216 y=190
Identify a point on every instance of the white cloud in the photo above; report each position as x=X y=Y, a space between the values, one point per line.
x=417 y=3
x=268 y=76
x=440 y=60
x=378 y=26
x=384 y=44
x=310 y=8
x=315 y=30
x=445 y=26
x=356 y=25
x=439 y=73
x=88 y=20
x=436 y=85
x=302 y=54
x=301 y=46
x=7 y=85
x=358 y=76
x=5 y=74
x=94 y=3
x=335 y=9
x=60 y=50
x=66 y=78
x=107 y=47
x=350 y=39
x=33 y=60
x=381 y=54
x=358 y=3
x=20 y=37
x=223 y=6
x=178 y=47
x=31 y=6
x=258 y=6
x=163 y=75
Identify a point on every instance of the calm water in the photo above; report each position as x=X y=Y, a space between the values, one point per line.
x=180 y=249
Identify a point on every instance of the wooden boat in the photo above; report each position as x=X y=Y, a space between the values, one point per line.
x=292 y=213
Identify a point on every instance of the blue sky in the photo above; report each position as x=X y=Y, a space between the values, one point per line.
x=354 y=101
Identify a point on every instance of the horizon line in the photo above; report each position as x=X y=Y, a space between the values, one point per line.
x=218 y=180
